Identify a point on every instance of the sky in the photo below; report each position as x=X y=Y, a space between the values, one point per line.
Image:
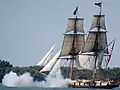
x=29 y=28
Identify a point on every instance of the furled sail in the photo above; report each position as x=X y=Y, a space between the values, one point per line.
x=51 y=63
x=68 y=42
x=45 y=59
x=75 y=21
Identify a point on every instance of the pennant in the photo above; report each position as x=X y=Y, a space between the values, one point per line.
x=98 y=4
x=75 y=11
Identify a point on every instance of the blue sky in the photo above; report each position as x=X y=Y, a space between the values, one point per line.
x=29 y=28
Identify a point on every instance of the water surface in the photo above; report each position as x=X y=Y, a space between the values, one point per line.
x=41 y=88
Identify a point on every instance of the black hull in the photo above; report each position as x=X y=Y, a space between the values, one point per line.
x=100 y=87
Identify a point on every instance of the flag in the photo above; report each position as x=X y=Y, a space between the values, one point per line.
x=98 y=4
x=75 y=11
x=110 y=54
x=108 y=57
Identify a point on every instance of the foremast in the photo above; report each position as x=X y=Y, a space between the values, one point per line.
x=72 y=52
x=73 y=40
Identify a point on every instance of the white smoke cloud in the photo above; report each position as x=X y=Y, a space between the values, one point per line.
x=13 y=80
x=10 y=79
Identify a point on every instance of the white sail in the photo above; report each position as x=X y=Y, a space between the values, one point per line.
x=83 y=62
x=51 y=63
x=99 y=60
x=46 y=57
x=55 y=68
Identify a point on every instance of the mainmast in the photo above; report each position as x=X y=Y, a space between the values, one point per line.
x=97 y=39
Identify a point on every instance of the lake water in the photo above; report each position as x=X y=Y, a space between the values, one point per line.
x=39 y=88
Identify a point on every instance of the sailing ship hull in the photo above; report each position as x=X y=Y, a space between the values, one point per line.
x=95 y=84
x=102 y=87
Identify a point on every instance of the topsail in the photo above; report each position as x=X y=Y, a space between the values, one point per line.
x=98 y=19
x=71 y=24
x=67 y=46
x=97 y=39
x=73 y=43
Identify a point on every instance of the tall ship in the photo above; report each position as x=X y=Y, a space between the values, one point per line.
x=78 y=46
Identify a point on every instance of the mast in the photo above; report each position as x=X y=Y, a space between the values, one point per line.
x=73 y=48
x=73 y=43
x=97 y=39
